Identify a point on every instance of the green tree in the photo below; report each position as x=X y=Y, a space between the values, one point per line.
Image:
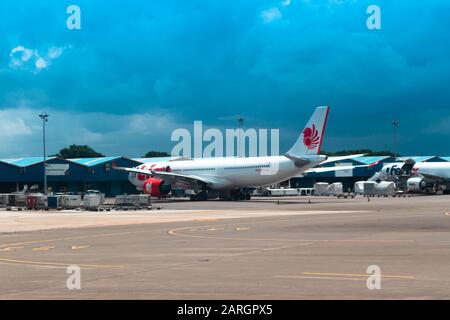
x=76 y=151
x=156 y=154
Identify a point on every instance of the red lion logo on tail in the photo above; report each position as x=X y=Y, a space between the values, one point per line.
x=311 y=137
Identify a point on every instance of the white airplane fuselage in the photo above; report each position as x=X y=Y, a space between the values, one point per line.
x=441 y=169
x=229 y=176
x=231 y=173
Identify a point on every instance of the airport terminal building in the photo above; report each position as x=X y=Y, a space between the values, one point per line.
x=78 y=175
x=67 y=175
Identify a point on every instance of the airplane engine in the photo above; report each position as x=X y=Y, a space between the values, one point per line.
x=156 y=187
x=418 y=184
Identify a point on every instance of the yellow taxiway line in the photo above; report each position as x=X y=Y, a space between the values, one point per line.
x=325 y=274
x=59 y=264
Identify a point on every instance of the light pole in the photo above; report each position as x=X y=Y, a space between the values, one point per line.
x=44 y=116
x=241 y=124
x=395 y=124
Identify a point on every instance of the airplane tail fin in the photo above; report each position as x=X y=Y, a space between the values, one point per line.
x=310 y=140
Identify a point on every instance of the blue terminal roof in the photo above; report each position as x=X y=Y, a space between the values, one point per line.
x=25 y=162
x=90 y=162
x=418 y=158
x=369 y=160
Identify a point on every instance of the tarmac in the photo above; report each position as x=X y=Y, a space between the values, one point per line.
x=266 y=248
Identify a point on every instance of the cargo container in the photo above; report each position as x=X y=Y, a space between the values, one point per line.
x=143 y=199
x=370 y=188
x=281 y=192
x=386 y=188
x=305 y=191
x=68 y=201
x=36 y=201
x=359 y=187
x=18 y=200
x=53 y=202
x=321 y=189
x=98 y=193
x=135 y=200
x=92 y=201
x=291 y=192
x=4 y=199
x=274 y=192
x=335 y=189
x=125 y=200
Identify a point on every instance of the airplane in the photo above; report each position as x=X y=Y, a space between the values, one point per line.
x=417 y=177
x=231 y=178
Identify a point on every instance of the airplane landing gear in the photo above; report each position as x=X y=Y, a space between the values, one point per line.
x=239 y=195
x=233 y=195
x=201 y=196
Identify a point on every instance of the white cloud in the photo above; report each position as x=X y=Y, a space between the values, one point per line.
x=286 y=3
x=146 y=124
x=271 y=14
x=12 y=126
x=55 y=52
x=112 y=134
x=23 y=58
x=40 y=64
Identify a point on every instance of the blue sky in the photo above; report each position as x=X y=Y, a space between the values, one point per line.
x=139 y=69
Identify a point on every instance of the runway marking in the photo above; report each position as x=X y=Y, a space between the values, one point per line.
x=206 y=220
x=76 y=237
x=214 y=229
x=172 y=232
x=241 y=229
x=320 y=278
x=11 y=249
x=44 y=248
x=176 y=232
x=447 y=214
x=325 y=274
x=59 y=264
x=79 y=247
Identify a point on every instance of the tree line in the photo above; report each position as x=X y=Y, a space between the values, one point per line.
x=84 y=151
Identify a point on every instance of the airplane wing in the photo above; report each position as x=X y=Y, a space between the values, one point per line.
x=170 y=177
x=340 y=158
x=175 y=177
x=340 y=168
x=334 y=169
x=301 y=160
